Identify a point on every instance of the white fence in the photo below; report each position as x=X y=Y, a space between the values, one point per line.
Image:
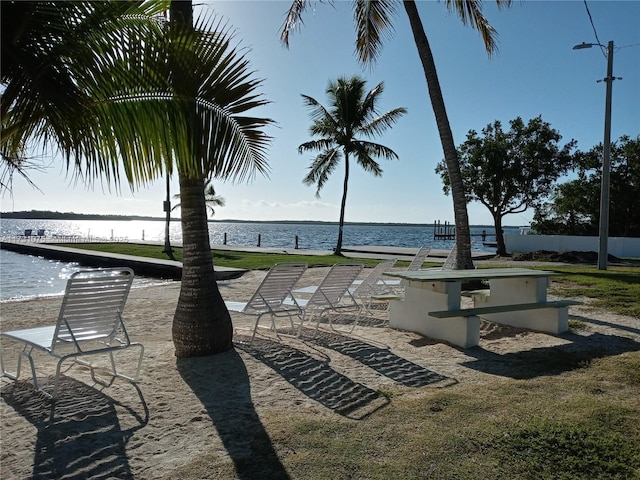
x=618 y=246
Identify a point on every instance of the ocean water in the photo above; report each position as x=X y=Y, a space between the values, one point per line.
x=25 y=276
x=279 y=235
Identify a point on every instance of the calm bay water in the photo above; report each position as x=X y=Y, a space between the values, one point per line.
x=274 y=235
x=25 y=276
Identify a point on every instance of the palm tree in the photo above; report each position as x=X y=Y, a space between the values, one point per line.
x=211 y=199
x=373 y=19
x=220 y=142
x=352 y=114
x=151 y=100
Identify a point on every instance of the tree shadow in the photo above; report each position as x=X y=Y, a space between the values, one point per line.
x=315 y=378
x=382 y=360
x=80 y=434
x=604 y=323
x=553 y=360
x=221 y=383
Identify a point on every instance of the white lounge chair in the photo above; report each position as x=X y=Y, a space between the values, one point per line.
x=90 y=323
x=418 y=259
x=375 y=288
x=332 y=295
x=269 y=298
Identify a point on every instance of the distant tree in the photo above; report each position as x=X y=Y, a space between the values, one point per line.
x=352 y=114
x=211 y=199
x=509 y=172
x=574 y=208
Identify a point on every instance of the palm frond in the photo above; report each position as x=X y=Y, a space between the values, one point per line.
x=385 y=121
x=374 y=23
x=470 y=12
x=134 y=93
x=317 y=145
x=293 y=19
x=322 y=167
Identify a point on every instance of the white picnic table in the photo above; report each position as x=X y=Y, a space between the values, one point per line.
x=516 y=296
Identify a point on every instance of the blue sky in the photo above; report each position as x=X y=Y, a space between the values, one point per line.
x=535 y=72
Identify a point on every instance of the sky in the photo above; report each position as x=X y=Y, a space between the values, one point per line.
x=535 y=72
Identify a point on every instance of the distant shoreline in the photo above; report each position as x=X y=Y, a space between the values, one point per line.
x=48 y=215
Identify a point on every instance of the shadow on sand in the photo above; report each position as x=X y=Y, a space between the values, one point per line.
x=380 y=359
x=80 y=435
x=315 y=378
x=551 y=360
x=221 y=383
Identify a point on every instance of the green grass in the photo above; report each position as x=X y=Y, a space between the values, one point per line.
x=222 y=258
x=616 y=289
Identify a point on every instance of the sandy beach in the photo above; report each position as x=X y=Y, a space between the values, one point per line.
x=181 y=408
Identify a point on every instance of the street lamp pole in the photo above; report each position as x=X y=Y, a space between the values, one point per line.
x=603 y=251
x=606 y=166
x=166 y=205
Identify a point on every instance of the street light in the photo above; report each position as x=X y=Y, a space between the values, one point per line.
x=606 y=156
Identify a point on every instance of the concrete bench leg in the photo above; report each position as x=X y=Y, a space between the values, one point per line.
x=461 y=331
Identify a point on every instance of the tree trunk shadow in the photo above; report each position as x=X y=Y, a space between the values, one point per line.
x=221 y=383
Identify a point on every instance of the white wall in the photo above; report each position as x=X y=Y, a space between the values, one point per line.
x=618 y=246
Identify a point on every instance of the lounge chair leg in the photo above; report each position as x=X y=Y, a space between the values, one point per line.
x=132 y=379
x=36 y=386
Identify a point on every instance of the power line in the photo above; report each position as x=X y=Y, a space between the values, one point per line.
x=595 y=32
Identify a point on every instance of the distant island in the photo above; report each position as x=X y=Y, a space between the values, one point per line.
x=48 y=215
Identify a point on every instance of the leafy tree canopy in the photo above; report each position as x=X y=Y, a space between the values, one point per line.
x=510 y=171
x=574 y=208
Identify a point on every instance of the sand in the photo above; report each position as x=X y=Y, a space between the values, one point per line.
x=181 y=408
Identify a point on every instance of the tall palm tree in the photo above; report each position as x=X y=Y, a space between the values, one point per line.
x=213 y=87
x=211 y=199
x=373 y=19
x=151 y=100
x=352 y=114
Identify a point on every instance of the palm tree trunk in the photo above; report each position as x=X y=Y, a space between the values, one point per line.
x=343 y=205
x=463 y=234
x=201 y=324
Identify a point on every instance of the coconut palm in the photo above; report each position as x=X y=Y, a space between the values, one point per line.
x=352 y=114
x=211 y=199
x=152 y=100
x=373 y=19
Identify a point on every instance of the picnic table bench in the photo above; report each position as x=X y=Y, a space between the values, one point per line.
x=516 y=297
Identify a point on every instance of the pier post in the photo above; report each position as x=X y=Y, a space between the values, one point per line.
x=259 y=239
x=224 y=241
